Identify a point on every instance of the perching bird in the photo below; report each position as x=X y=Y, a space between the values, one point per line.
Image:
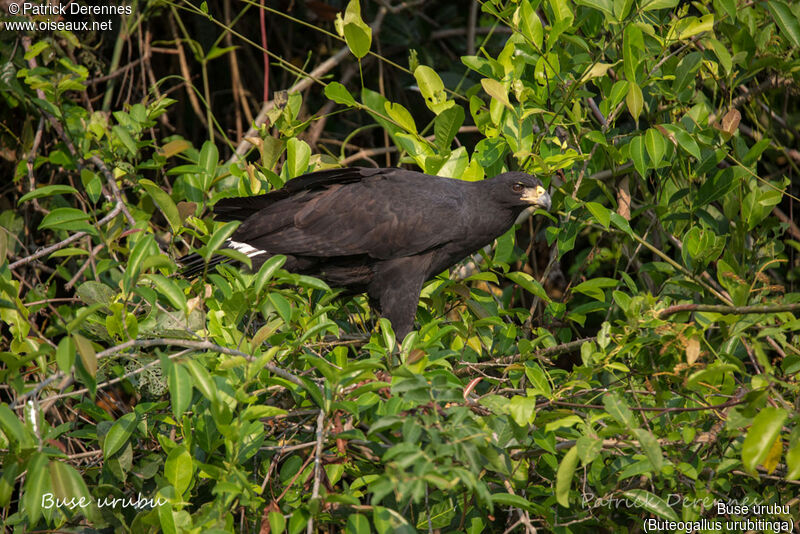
x=380 y=231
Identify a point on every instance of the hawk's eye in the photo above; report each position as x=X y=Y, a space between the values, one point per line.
x=517 y=187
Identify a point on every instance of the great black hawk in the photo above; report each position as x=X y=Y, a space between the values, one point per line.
x=380 y=231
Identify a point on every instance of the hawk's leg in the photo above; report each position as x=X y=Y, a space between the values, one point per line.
x=396 y=288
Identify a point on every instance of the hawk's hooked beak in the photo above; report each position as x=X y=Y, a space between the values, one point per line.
x=537 y=196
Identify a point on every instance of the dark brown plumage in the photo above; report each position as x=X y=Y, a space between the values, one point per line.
x=380 y=231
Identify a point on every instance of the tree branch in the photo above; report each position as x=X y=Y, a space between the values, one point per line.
x=730 y=310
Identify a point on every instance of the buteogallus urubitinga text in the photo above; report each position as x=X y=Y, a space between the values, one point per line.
x=380 y=231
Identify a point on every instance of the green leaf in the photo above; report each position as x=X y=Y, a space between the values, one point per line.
x=652 y=503
x=65 y=354
x=711 y=375
x=46 y=191
x=179 y=468
x=509 y=499
x=388 y=521
x=529 y=284
x=686 y=71
x=618 y=91
x=497 y=91
x=119 y=434
x=729 y=6
x=355 y=31
x=651 y=5
x=282 y=306
x=601 y=213
x=92 y=184
x=588 y=448
x=64 y=219
x=201 y=380
x=530 y=24
x=632 y=48
x=174 y=147
x=267 y=270
x=766 y=428
x=11 y=426
x=357 y=524
x=594 y=286
x=651 y=448
x=618 y=409
x=793 y=461
x=298 y=154
x=621 y=9
x=758 y=204
x=656 y=146
x=216 y=52
x=375 y=102
x=311 y=281
x=143 y=248
x=166 y=517
x=328 y=371
x=540 y=384
x=209 y=158
x=37 y=484
x=67 y=483
x=522 y=410
x=693 y=26
x=180 y=389
x=455 y=165
x=169 y=288
x=164 y=202
x=432 y=89
x=604 y=6
x=637 y=153
x=446 y=126
x=35 y=49
x=620 y=222
x=87 y=353
x=277 y=523
x=634 y=101
x=786 y=20
x=722 y=53
x=564 y=476
x=125 y=138
x=401 y=116
x=755 y=151
x=685 y=141
x=562 y=12
x=219 y=237
x=339 y=94
x=417 y=149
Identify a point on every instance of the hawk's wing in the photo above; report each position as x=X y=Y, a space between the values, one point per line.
x=240 y=208
x=386 y=215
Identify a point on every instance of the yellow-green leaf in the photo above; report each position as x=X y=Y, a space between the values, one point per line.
x=496 y=90
x=760 y=438
x=564 y=476
x=635 y=100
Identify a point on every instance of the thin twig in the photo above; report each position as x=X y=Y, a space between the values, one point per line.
x=730 y=310
x=83 y=267
x=317 y=464
x=544 y=354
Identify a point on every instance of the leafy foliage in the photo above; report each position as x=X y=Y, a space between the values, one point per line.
x=639 y=347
